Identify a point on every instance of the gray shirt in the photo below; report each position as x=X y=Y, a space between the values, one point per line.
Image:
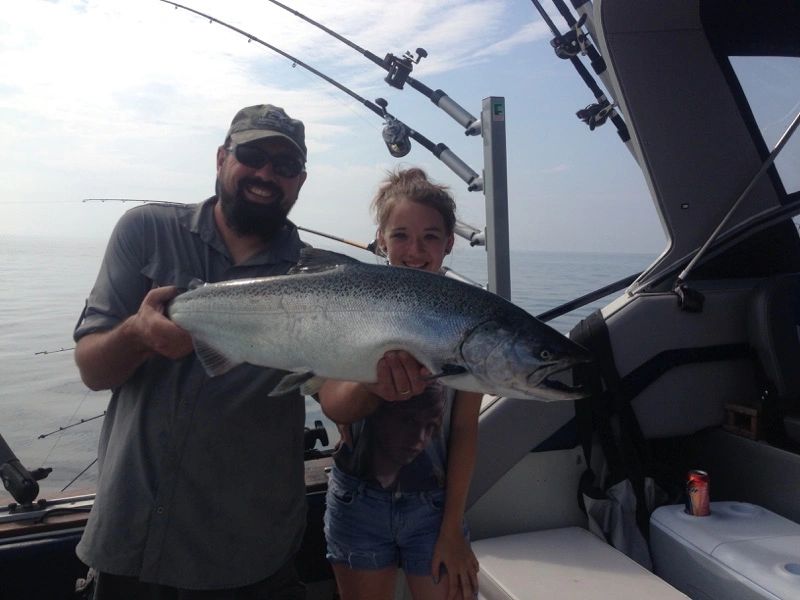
x=396 y=428
x=201 y=480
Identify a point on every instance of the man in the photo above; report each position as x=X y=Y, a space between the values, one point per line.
x=201 y=490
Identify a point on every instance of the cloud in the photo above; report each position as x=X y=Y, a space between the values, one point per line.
x=527 y=34
x=130 y=98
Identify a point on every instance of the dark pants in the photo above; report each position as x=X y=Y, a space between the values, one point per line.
x=281 y=585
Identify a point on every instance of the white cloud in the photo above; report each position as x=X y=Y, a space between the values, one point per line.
x=129 y=98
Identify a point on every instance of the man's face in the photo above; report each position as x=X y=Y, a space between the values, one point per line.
x=257 y=200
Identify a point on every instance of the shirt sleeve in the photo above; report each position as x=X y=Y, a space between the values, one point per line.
x=120 y=285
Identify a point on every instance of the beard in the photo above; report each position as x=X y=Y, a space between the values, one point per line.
x=249 y=218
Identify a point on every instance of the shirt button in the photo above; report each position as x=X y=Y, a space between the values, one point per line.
x=160 y=510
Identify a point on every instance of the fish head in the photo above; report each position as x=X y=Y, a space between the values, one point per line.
x=523 y=359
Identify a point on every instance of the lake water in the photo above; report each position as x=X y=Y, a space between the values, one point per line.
x=45 y=283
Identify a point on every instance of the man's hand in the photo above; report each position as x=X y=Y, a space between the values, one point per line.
x=107 y=359
x=155 y=331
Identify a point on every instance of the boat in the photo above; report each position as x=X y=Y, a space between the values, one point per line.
x=696 y=356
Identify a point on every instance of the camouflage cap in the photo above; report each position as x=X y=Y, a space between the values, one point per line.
x=265 y=121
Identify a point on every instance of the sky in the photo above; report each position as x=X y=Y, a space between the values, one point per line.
x=130 y=99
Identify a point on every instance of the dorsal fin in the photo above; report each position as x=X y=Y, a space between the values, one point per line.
x=313 y=260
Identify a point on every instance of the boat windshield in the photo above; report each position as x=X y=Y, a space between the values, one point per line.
x=771 y=86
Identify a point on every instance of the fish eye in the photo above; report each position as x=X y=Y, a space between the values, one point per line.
x=546 y=355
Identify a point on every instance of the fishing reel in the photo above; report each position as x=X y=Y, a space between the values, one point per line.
x=400 y=68
x=395 y=133
x=572 y=43
x=20 y=483
x=595 y=115
x=318 y=433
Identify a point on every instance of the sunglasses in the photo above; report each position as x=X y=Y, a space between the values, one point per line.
x=284 y=165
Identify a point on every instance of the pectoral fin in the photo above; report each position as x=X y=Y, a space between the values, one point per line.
x=212 y=360
x=311 y=387
x=447 y=370
x=306 y=382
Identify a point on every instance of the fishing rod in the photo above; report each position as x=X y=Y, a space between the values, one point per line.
x=81 y=422
x=399 y=73
x=582 y=301
x=78 y=476
x=575 y=41
x=371 y=247
x=475 y=237
x=395 y=134
x=569 y=47
x=42 y=352
x=132 y=200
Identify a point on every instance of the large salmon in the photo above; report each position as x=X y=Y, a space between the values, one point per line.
x=335 y=317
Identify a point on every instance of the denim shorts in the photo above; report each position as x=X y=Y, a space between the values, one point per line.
x=368 y=528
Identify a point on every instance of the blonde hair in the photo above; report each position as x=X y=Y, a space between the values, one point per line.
x=413 y=184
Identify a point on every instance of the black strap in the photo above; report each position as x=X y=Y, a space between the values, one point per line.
x=609 y=411
x=642 y=376
x=613 y=418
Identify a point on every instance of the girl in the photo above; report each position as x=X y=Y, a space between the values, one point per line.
x=402 y=470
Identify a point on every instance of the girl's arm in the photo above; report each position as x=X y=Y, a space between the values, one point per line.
x=452 y=548
x=400 y=377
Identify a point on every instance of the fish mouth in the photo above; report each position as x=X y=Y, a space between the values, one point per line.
x=545 y=378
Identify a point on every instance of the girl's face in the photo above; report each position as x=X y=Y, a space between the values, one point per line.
x=414 y=236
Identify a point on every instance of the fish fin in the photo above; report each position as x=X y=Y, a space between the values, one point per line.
x=313 y=260
x=185 y=285
x=311 y=387
x=195 y=283
x=212 y=360
x=447 y=371
x=291 y=382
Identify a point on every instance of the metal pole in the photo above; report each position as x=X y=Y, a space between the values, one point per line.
x=493 y=130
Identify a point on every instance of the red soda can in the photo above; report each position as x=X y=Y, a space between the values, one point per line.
x=698 y=501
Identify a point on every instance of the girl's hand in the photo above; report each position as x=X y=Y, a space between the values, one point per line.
x=453 y=551
x=400 y=377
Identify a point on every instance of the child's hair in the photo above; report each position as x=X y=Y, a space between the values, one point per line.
x=414 y=185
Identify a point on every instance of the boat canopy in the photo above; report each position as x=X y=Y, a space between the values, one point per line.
x=707 y=89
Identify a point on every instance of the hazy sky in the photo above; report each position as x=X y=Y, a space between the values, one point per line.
x=130 y=99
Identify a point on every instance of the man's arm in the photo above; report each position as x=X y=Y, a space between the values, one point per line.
x=107 y=359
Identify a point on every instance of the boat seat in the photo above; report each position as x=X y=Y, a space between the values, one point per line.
x=773 y=327
x=568 y=564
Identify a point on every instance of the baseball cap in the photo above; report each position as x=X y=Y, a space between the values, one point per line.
x=266 y=121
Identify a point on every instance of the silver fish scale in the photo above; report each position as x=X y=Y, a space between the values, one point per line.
x=337 y=323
